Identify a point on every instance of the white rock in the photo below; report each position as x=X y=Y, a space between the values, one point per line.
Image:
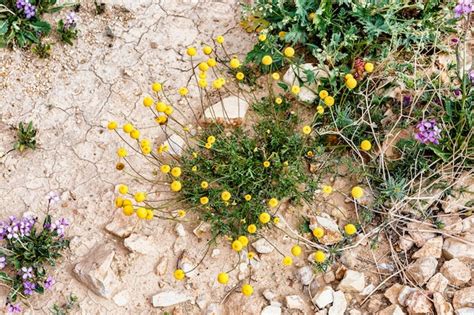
x=141 y=244
x=456 y=272
x=404 y=294
x=432 y=248
x=215 y=252
x=355 y=312
x=353 y=281
x=162 y=266
x=169 y=298
x=393 y=293
x=187 y=267
x=419 y=303
x=468 y=224
x=262 y=246
x=121 y=225
x=464 y=298
x=201 y=301
x=465 y=311
x=422 y=269
x=437 y=283
x=305 y=275
x=462 y=248
x=179 y=228
x=295 y=302
x=442 y=307
x=392 y=310
x=324 y=297
x=176 y=145
x=368 y=289
x=271 y=310
x=231 y=108
x=269 y=295
x=121 y=298
x=339 y=304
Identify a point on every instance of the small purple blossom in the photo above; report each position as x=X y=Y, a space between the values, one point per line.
x=406 y=100
x=28 y=9
x=59 y=226
x=13 y=308
x=428 y=132
x=3 y=262
x=15 y=228
x=28 y=287
x=70 y=20
x=26 y=272
x=53 y=197
x=20 y=4
x=471 y=76
x=454 y=41
x=464 y=7
x=457 y=92
x=48 y=284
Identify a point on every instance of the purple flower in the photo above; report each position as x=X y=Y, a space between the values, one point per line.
x=26 y=272
x=70 y=20
x=30 y=10
x=53 y=197
x=20 y=4
x=59 y=226
x=13 y=308
x=428 y=132
x=28 y=287
x=14 y=228
x=3 y=262
x=471 y=76
x=464 y=7
x=48 y=284
x=454 y=41
x=406 y=100
x=457 y=92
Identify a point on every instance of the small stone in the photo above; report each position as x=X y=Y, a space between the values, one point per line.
x=329 y=277
x=332 y=235
x=201 y=301
x=269 y=295
x=323 y=297
x=375 y=303
x=176 y=145
x=169 y=298
x=340 y=272
x=355 y=312
x=353 y=281
x=262 y=246
x=339 y=304
x=462 y=248
x=437 y=283
x=271 y=310
x=465 y=311
x=121 y=225
x=418 y=237
x=141 y=244
x=393 y=293
x=468 y=224
x=404 y=294
x=305 y=275
x=452 y=223
x=460 y=194
x=188 y=268
x=442 y=307
x=121 y=298
x=213 y=309
x=202 y=229
x=322 y=312
x=456 y=272
x=215 y=252
x=432 y=248
x=464 y=298
x=161 y=267
x=422 y=269
x=295 y=302
x=406 y=243
x=179 y=228
x=392 y=310
x=230 y=109
x=368 y=289
x=418 y=303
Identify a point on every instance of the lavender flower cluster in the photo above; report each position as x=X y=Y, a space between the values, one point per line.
x=463 y=8
x=70 y=20
x=15 y=228
x=428 y=132
x=28 y=9
x=58 y=226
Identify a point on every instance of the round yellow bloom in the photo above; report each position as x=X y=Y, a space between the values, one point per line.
x=278 y=100
x=176 y=171
x=320 y=256
x=282 y=34
x=267 y=60
x=327 y=189
x=145 y=143
x=247 y=289
x=220 y=39
x=118 y=202
x=169 y=110
x=191 y=51
x=262 y=37
x=122 y=152
x=217 y=84
x=112 y=125
x=323 y=94
x=234 y=63
x=149 y=214
x=225 y=195
x=295 y=89
x=307 y=130
x=276 y=220
x=312 y=15
x=183 y=91
x=127 y=210
x=248 y=197
x=140 y=196
x=369 y=67
x=252 y=228
x=289 y=52
x=212 y=62
x=318 y=232
x=357 y=192
x=329 y=101
x=264 y=217
x=348 y=76
x=165 y=169
x=176 y=186
x=350 y=229
x=208 y=145
x=156 y=87
x=147 y=101
x=251 y=255
x=135 y=134
x=160 y=106
x=320 y=109
x=179 y=274
x=275 y=76
x=244 y=240
x=141 y=213
x=273 y=202
x=202 y=83
x=203 y=66
x=128 y=127
x=366 y=145
x=237 y=245
x=240 y=76
x=211 y=139
x=296 y=250
x=351 y=83
x=287 y=261
x=181 y=213
x=123 y=189
x=207 y=50
x=223 y=278
x=204 y=200
x=204 y=184
x=266 y=164
x=127 y=202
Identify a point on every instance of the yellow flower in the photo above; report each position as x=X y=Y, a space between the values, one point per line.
x=264 y=217
x=195 y=155
x=112 y=125
x=267 y=60
x=127 y=128
x=127 y=202
x=149 y=214
x=179 y=274
x=204 y=200
x=135 y=134
x=194 y=168
x=320 y=109
x=141 y=213
x=145 y=143
x=161 y=119
x=248 y=197
x=176 y=171
x=204 y=184
x=329 y=101
x=250 y=255
x=252 y=228
x=202 y=83
x=296 y=250
x=207 y=50
x=275 y=76
x=369 y=67
x=212 y=62
x=118 y=202
x=357 y=192
x=273 y=202
x=203 y=66
x=244 y=240
x=295 y=89
x=220 y=39
x=366 y=145
x=156 y=87
x=323 y=94
x=351 y=83
x=276 y=220
x=307 y=130
x=191 y=51
x=160 y=106
x=127 y=210
x=287 y=261
x=181 y=213
x=122 y=152
x=247 y=290
x=262 y=37
x=350 y=229
x=289 y=52
x=278 y=100
x=183 y=91
x=234 y=63
x=312 y=15
x=237 y=245
x=318 y=232
x=140 y=196
x=266 y=164
x=327 y=189
x=169 y=110
x=223 y=278
x=123 y=189
x=282 y=34
x=217 y=84
x=211 y=139
x=225 y=195
x=147 y=101
x=320 y=256
x=240 y=76
x=208 y=145
x=176 y=186
x=348 y=76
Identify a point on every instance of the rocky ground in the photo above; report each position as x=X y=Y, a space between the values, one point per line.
x=121 y=266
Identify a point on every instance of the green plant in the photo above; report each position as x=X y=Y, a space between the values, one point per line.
x=64 y=309
x=26 y=137
x=43 y=50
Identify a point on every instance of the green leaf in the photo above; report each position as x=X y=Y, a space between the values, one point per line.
x=4 y=27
